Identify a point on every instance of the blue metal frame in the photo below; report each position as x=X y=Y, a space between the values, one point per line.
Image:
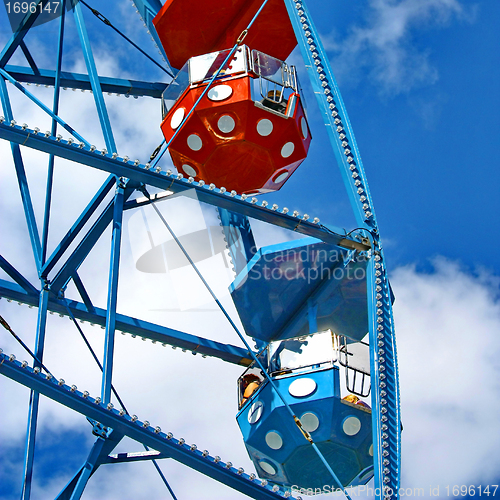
x=133 y=326
x=140 y=431
x=78 y=225
x=385 y=396
x=17 y=38
x=82 y=82
x=56 y=271
x=141 y=174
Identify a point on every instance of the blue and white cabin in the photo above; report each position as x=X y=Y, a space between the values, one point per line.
x=314 y=373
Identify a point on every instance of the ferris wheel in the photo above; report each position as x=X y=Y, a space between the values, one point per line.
x=318 y=394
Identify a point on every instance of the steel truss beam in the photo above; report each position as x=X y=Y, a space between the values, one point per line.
x=139 y=431
x=82 y=82
x=133 y=326
x=122 y=167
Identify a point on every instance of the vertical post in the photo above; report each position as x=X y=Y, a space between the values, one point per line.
x=35 y=396
x=109 y=341
x=55 y=109
x=374 y=371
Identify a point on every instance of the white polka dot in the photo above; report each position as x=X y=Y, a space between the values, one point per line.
x=310 y=422
x=267 y=467
x=351 y=426
x=177 y=118
x=303 y=127
x=194 y=142
x=219 y=92
x=189 y=170
x=370 y=450
x=264 y=127
x=226 y=124
x=255 y=412
x=287 y=149
x=302 y=387
x=280 y=178
x=273 y=440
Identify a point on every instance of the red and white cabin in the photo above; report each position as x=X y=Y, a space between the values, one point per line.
x=249 y=132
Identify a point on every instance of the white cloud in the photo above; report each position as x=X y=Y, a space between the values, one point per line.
x=384 y=46
x=447 y=329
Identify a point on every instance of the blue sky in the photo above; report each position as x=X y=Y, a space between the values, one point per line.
x=420 y=82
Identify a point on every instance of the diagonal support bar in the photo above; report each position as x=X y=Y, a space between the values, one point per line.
x=83 y=249
x=19 y=35
x=94 y=79
x=29 y=58
x=22 y=180
x=83 y=292
x=40 y=104
x=78 y=225
x=18 y=277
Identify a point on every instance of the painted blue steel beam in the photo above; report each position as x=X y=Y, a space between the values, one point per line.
x=114 y=269
x=83 y=292
x=18 y=277
x=144 y=329
x=78 y=225
x=55 y=110
x=89 y=467
x=16 y=39
x=34 y=396
x=29 y=58
x=384 y=367
x=41 y=105
x=102 y=112
x=22 y=180
x=139 y=431
x=333 y=111
x=140 y=174
x=82 y=82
